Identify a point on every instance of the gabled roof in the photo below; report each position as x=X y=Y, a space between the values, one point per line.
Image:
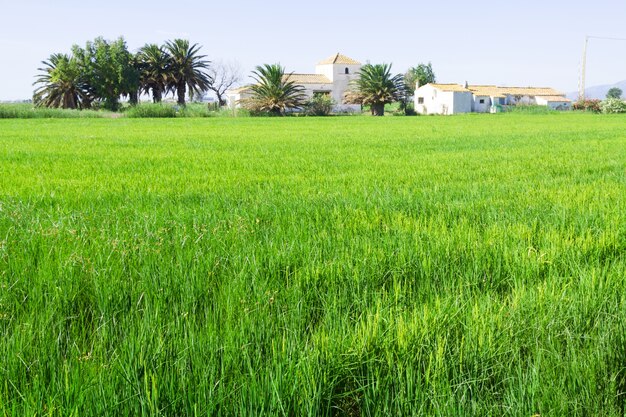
x=307 y=78
x=551 y=99
x=494 y=91
x=239 y=89
x=450 y=87
x=339 y=59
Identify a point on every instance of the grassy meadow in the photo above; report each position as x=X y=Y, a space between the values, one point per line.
x=344 y=266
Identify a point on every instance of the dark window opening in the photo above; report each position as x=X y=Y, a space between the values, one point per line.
x=347 y=70
x=420 y=100
x=482 y=101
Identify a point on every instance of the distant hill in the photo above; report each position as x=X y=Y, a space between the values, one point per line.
x=599 y=91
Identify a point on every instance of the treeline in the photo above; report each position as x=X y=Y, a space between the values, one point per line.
x=103 y=71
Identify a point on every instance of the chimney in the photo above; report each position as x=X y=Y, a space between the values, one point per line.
x=417 y=84
x=466 y=85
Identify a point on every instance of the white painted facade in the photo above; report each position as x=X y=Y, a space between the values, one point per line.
x=433 y=99
x=555 y=103
x=332 y=76
x=340 y=74
x=454 y=98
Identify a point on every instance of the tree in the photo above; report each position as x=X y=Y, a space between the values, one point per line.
x=108 y=69
x=376 y=86
x=273 y=92
x=614 y=92
x=62 y=84
x=153 y=63
x=423 y=74
x=186 y=69
x=223 y=76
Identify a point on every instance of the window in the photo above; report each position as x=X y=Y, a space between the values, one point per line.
x=347 y=70
x=482 y=101
x=420 y=100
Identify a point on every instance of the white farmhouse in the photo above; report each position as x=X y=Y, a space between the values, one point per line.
x=443 y=99
x=454 y=98
x=332 y=77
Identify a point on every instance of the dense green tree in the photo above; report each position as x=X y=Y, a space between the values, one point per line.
x=273 y=92
x=61 y=84
x=376 y=86
x=153 y=62
x=423 y=73
x=614 y=92
x=186 y=69
x=109 y=70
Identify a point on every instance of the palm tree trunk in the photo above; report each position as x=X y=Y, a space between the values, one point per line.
x=156 y=95
x=133 y=97
x=378 y=109
x=181 y=90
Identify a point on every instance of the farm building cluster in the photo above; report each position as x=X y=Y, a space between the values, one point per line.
x=334 y=75
x=455 y=98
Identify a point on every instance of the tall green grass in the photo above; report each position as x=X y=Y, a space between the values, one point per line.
x=28 y=111
x=339 y=266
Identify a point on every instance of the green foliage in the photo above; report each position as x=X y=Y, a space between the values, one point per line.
x=27 y=111
x=186 y=69
x=614 y=92
x=589 y=105
x=423 y=73
x=471 y=265
x=319 y=105
x=613 y=105
x=273 y=92
x=375 y=87
x=153 y=64
x=529 y=109
x=62 y=84
x=153 y=110
x=109 y=70
x=161 y=110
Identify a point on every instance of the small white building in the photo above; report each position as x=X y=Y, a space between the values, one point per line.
x=454 y=98
x=443 y=99
x=554 y=102
x=332 y=77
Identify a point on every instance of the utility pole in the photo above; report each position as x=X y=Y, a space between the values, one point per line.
x=583 y=64
x=583 y=68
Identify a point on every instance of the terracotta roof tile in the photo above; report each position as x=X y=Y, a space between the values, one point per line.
x=449 y=87
x=307 y=78
x=339 y=59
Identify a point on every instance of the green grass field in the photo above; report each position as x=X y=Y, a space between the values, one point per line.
x=343 y=266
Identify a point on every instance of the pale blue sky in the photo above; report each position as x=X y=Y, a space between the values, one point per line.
x=521 y=43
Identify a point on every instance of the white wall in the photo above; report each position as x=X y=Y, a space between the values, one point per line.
x=336 y=73
x=554 y=105
x=479 y=107
x=441 y=102
x=462 y=102
x=310 y=89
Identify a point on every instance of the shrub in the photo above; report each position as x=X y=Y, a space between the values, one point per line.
x=588 y=105
x=319 y=105
x=27 y=111
x=529 y=109
x=151 y=110
x=613 y=105
x=196 y=110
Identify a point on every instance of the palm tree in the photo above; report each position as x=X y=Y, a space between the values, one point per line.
x=153 y=62
x=273 y=92
x=376 y=86
x=186 y=69
x=62 y=84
